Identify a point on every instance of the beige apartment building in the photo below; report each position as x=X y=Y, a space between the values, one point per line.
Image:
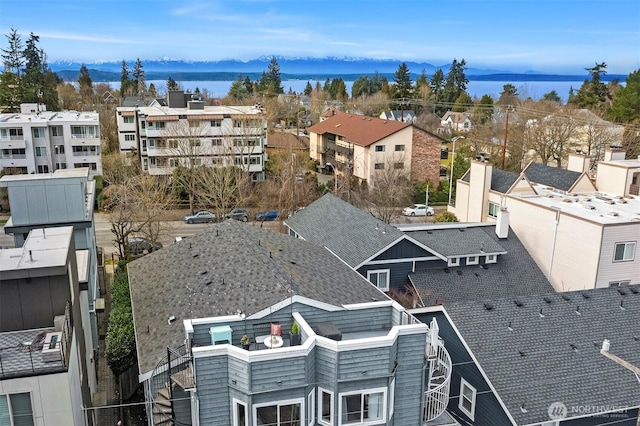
x=582 y=235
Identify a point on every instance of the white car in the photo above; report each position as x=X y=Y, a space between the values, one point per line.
x=418 y=210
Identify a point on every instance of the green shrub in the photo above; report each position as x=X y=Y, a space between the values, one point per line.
x=120 y=350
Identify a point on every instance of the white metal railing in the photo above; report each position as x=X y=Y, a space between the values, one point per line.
x=437 y=377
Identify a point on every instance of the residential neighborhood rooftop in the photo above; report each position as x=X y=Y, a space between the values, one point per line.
x=350 y=233
x=539 y=349
x=231 y=268
x=358 y=129
x=514 y=273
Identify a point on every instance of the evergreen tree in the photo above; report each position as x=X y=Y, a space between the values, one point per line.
x=402 y=80
x=172 y=85
x=12 y=57
x=85 y=84
x=125 y=82
x=152 y=90
x=552 y=96
x=138 y=77
x=593 y=94
x=271 y=81
x=361 y=87
x=437 y=89
x=509 y=95
x=248 y=85
x=456 y=82
x=463 y=103
x=625 y=106
x=238 y=90
x=377 y=82
x=483 y=110
x=308 y=89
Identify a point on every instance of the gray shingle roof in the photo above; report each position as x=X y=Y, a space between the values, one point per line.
x=549 y=369
x=514 y=274
x=352 y=234
x=458 y=241
x=501 y=180
x=554 y=177
x=231 y=266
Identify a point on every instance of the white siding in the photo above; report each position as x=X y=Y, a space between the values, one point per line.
x=617 y=271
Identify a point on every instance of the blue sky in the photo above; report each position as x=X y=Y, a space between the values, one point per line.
x=562 y=36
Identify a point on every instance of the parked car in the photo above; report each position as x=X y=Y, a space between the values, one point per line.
x=138 y=245
x=238 y=214
x=268 y=215
x=200 y=217
x=418 y=210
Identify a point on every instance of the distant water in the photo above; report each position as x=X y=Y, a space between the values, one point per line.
x=533 y=89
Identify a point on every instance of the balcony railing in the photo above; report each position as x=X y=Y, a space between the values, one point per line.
x=176 y=369
x=28 y=353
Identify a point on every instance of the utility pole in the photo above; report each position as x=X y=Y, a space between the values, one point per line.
x=506 y=132
x=635 y=370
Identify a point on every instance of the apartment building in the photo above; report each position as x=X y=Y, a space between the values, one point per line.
x=581 y=234
x=369 y=146
x=189 y=133
x=44 y=368
x=61 y=199
x=39 y=141
x=216 y=343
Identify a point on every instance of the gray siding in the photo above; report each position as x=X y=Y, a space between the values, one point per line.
x=275 y=374
x=403 y=250
x=364 y=363
x=409 y=380
x=213 y=390
x=398 y=273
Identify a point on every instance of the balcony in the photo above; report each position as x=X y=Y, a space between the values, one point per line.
x=13 y=143
x=37 y=351
x=337 y=148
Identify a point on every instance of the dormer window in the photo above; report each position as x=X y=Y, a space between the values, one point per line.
x=454 y=261
x=472 y=260
x=491 y=258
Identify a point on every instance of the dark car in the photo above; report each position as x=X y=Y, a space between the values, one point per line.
x=238 y=214
x=200 y=217
x=137 y=246
x=268 y=215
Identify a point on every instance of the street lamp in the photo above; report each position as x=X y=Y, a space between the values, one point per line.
x=453 y=157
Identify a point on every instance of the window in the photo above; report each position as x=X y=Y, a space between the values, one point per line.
x=619 y=283
x=216 y=142
x=399 y=148
x=325 y=407
x=173 y=144
x=194 y=123
x=129 y=138
x=467 y=403
x=240 y=417
x=41 y=151
x=237 y=123
x=282 y=413
x=380 y=148
x=59 y=149
x=238 y=142
x=444 y=154
x=493 y=210
x=15 y=410
x=61 y=166
x=491 y=258
x=56 y=131
x=311 y=407
x=624 y=251
x=472 y=260
x=160 y=125
x=379 y=166
x=39 y=132
x=363 y=407
x=43 y=169
x=84 y=132
x=379 y=278
x=454 y=261
x=127 y=120
x=195 y=142
x=216 y=123
x=398 y=166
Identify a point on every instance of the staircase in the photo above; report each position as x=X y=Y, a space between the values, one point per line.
x=170 y=384
x=162 y=408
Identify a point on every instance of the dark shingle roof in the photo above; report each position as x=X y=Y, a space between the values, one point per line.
x=554 y=177
x=550 y=369
x=458 y=241
x=515 y=272
x=231 y=266
x=350 y=233
x=501 y=180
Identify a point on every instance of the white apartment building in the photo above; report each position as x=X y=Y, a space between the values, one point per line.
x=39 y=141
x=188 y=131
x=582 y=235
